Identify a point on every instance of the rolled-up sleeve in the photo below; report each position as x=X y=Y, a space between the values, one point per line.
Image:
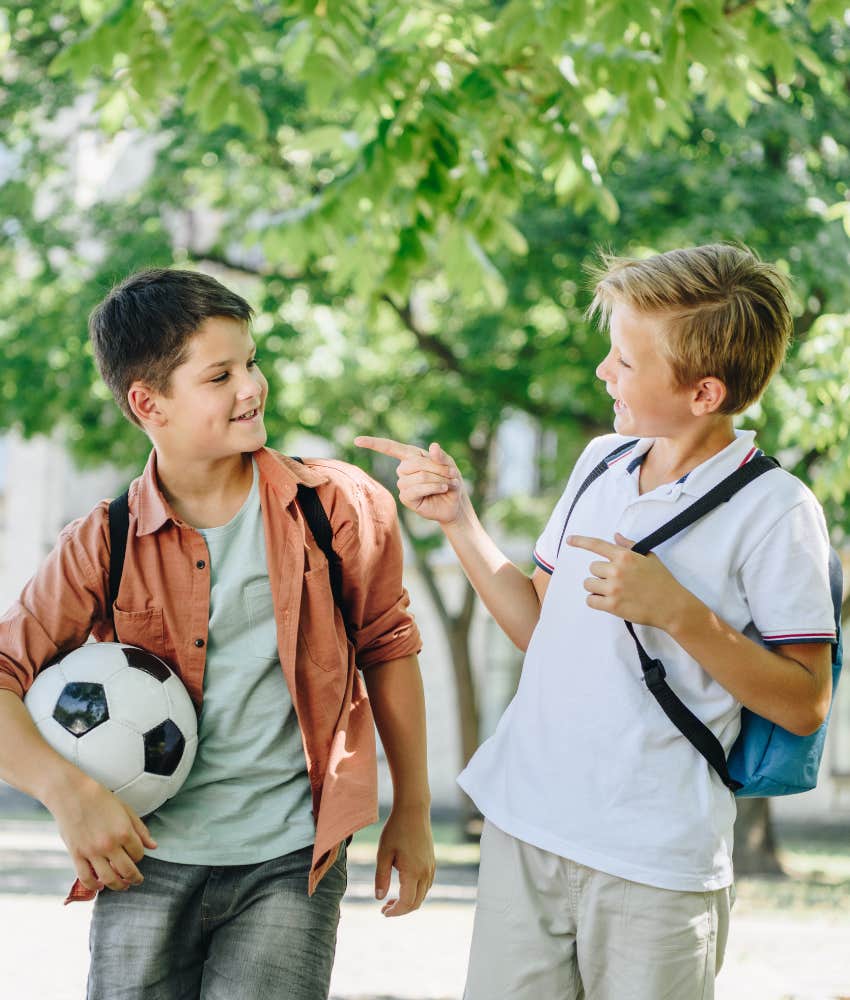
x=367 y=540
x=58 y=606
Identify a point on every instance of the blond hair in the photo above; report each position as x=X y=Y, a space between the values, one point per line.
x=728 y=313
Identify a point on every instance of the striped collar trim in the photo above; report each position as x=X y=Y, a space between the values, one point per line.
x=699 y=480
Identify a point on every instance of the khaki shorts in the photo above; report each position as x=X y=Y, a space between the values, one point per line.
x=547 y=928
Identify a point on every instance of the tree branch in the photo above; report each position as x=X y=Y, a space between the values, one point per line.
x=730 y=10
x=222 y=261
x=427 y=573
x=429 y=343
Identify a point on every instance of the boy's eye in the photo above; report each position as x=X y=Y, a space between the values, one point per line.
x=254 y=361
x=222 y=378
x=624 y=363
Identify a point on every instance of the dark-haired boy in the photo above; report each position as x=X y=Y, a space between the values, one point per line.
x=232 y=890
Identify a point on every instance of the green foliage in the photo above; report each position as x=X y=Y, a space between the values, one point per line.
x=408 y=194
x=816 y=405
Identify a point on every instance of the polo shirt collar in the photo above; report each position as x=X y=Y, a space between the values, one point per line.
x=699 y=480
x=715 y=469
x=283 y=474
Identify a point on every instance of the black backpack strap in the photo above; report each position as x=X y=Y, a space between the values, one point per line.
x=724 y=491
x=592 y=476
x=692 y=728
x=119 y=526
x=320 y=527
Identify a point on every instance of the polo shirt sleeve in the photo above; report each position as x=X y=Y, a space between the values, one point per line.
x=59 y=605
x=367 y=539
x=786 y=578
x=549 y=543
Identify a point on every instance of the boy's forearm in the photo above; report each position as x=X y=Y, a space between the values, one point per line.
x=792 y=694
x=507 y=592
x=398 y=705
x=27 y=761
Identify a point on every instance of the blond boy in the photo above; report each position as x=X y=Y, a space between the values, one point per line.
x=606 y=858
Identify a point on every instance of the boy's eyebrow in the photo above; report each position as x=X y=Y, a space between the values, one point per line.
x=228 y=362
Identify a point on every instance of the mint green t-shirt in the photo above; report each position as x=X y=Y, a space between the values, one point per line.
x=247 y=798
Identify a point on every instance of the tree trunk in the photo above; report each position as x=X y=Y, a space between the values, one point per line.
x=755 y=845
x=467 y=700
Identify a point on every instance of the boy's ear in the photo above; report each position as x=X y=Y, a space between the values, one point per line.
x=709 y=395
x=144 y=403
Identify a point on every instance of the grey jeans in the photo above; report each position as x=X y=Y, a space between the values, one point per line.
x=194 y=932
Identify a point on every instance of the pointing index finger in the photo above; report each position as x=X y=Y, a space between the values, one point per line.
x=597 y=545
x=386 y=446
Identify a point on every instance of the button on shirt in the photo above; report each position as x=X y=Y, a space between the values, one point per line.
x=163 y=605
x=583 y=762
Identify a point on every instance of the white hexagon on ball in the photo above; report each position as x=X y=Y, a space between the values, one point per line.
x=123 y=716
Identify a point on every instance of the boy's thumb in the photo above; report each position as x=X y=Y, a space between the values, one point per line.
x=383 y=872
x=144 y=833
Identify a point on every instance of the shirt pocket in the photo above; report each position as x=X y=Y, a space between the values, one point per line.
x=141 y=628
x=318 y=622
x=262 y=629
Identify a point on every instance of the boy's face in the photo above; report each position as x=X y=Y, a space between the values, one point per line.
x=647 y=400
x=216 y=398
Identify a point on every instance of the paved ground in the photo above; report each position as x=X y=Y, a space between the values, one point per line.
x=419 y=957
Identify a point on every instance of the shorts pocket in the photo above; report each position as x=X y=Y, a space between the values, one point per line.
x=494 y=872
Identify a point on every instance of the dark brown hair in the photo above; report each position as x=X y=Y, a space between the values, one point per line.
x=141 y=330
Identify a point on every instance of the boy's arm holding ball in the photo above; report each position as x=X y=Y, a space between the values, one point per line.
x=55 y=611
x=103 y=835
x=791 y=687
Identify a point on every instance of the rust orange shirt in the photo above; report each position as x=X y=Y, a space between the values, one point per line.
x=163 y=605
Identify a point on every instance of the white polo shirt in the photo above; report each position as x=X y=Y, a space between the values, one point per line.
x=584 y=763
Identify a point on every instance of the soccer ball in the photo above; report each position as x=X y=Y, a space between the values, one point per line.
x=121 y=715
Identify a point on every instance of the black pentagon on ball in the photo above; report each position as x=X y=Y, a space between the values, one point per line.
x=141 y=659
x=163 y=748
x=81 y=707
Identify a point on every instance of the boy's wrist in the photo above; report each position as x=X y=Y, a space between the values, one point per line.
x=465 y=520
x=413 y=802
x=686 y=612
x=60 y=783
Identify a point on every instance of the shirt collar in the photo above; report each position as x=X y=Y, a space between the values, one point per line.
x=281 y=473
x=701 y=479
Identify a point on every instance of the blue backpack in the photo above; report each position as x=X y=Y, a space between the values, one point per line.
x=765 y=759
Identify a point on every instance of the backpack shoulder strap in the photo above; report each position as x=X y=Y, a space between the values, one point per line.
x=719 y=494
x=654 y=674
x=598 y=470
x=320 y=527
x=119 y=526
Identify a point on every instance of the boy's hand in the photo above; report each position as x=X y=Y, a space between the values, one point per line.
x=406 y=844
x=428 y=481
x=104 y=837
x=635 y=587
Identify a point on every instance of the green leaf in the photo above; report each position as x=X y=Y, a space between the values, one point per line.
x=214 y=110
x=823 y=11
x=248 y=113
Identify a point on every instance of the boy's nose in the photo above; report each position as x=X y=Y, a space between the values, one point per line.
x=252 y=385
